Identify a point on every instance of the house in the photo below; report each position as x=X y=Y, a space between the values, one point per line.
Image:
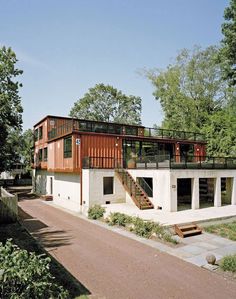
x=81 y=163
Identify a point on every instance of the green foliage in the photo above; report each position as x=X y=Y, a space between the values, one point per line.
x=106 y=103
x=226 y=230
x=26 y=150
x=96 y=212
x=195 y=97
x=119 y=219
x=228 y=52
x=26 y=275
x=220 y=133
x=140 y=227
x=228 y=263
x=143 y=228
x=10 y=107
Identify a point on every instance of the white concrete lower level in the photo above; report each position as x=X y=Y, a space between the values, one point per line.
x=170 y=188
x=171 y=218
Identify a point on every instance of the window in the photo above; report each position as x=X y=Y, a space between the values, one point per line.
x=40 y=134
x=45 y=154
x=36 y=132
x=108 y=185
x=40 y=155
x=68 y=147
x=131 y=131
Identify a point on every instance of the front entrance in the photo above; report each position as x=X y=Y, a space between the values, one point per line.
x=51 y=185
x=184 y=194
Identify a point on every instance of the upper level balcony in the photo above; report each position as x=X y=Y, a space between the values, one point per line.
x=60 y=127
x=160 y=162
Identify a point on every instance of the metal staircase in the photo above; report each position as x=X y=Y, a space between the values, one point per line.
x=136 y=192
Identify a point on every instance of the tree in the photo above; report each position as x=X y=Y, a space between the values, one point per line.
x=228 y=51
x=194 y=97
x=10 y=106
x=26 y=150
x=220 y=133
x=106 y=103
x=26 y=275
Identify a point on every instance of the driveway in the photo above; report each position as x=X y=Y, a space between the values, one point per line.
x=112 y=266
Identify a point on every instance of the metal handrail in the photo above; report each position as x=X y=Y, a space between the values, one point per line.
x=165 y=161
x=125 y=130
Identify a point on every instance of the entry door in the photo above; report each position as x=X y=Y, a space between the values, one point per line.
x=51 y=185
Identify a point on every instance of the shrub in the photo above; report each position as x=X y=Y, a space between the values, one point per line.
x=163 y=234
x=26 y=275
x=119 y=219
x=143 y=228
x=168 y=238
x=96 y=212
x=228 y=263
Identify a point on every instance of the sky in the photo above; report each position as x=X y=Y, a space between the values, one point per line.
x=66 y=47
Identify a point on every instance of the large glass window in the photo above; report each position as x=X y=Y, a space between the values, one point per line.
x=36 y=135
x=108 y=183
x=40 y=132
x=40 y=155
x=131 y=131
x=85 y=126
x=45 y=154
x=68 y=147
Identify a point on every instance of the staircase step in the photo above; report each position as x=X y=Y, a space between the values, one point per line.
x=192 y=232
x=187 y=230
x=188 y=227
x=139 y=197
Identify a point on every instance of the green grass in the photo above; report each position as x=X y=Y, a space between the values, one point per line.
x=226 y=230
x=228 y=263
x=20 y=237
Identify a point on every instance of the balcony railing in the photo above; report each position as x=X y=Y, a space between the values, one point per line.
x=173 y=134
x=160 y=162
x=120 y=129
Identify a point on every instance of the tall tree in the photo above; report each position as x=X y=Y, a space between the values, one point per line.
x=228 y=51
x=106 y=103
x=194 y=97
x=10 y=106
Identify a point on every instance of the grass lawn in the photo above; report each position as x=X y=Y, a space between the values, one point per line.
x=226 y=230
x=24 y=240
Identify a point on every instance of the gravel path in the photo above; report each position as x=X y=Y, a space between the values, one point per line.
x=112 y=266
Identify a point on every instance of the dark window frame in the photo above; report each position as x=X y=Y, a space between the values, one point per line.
x=67 y=143
x=45 y=154
x=40 y=155
x=108 y=189
x=40 y=132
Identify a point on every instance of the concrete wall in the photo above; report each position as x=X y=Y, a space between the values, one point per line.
x=92 y=181
x=217 y=174
x=165 y=185
x=161 y=185
x=8 y=207
x=66 y=188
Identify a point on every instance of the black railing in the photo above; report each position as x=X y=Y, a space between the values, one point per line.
x=160 y=162
x=173 y=134
x=119 y=129
x=202 y=162
x=102 y=163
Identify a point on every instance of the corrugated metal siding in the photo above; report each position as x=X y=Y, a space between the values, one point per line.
x=101 y=146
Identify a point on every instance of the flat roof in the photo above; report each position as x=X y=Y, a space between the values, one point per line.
x=88 y=120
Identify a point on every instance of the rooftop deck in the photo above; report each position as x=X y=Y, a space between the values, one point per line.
x=71 y=125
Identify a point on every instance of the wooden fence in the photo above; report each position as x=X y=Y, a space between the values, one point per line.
x=8 y=207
